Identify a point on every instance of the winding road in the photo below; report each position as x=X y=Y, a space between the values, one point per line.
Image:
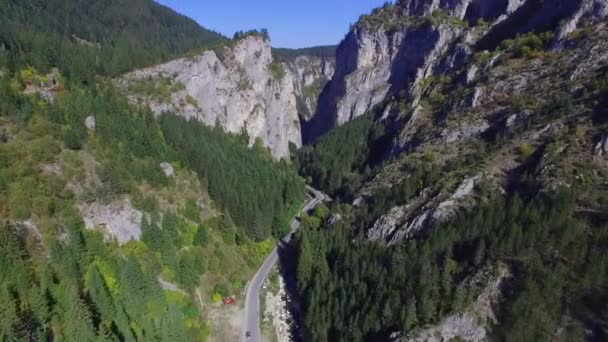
x=251 y=321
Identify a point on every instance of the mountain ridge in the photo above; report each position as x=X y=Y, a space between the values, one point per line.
x=464 y=144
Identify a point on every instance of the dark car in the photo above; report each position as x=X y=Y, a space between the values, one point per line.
x=248 y=334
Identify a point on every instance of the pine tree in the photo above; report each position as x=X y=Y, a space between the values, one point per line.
x=201 y=238
x=227 y=222
x=479 y=252
x=459 y=298
x=280 y=226
x=40 y=304
x=100 y=294
x=9 y=319
x=409 y=315
x=188 y=274
x=77 y=317
x=305 y=263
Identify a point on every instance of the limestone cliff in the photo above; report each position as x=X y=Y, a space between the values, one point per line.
x=508 y=103
x=390 y=51
x=310 y=75
x=239 y=88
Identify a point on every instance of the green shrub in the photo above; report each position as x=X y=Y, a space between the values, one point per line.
x=216 y=297
x=201 y=238
x=74 y=138
x=237 y=284
x=525 y=151
x=221 y=289
x=191 y=101
x=531 y=45
x=321 y=211
x=20 y=199
x=191 y=210
x=115 y=179
x=277 y=70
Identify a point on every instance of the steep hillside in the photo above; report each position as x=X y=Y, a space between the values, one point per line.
x=145 y=172
x=240 y=87
x=469 y=173
x=118 y=224
x=391 y=51
x=107 y=37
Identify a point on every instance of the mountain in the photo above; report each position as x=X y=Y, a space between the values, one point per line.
x=396 y=47
x=116 y=223
x=147 y=167
x=242 y=86
x=127 y=34
x=463 y=143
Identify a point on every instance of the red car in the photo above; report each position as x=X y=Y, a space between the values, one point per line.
x=228 y=301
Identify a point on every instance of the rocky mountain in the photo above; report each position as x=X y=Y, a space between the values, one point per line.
x=116 y=223
x=395 y=48
x=464 y=144
x=448 y=135
x=241 y=88
x=443 y=77
x=105 y=37
x=453 y=91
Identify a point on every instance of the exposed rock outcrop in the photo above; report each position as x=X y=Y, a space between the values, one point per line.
x=471 y=324
x=243 y=89
x=118 y=219
x=404 y=222
x=392 y=50
x=385 y=226
x=464 y=131
x=372 y=63
x=310 y=75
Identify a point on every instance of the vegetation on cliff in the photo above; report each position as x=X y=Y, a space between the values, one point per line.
x=201 y=234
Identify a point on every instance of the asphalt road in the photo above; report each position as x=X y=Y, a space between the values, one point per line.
x=251 y=321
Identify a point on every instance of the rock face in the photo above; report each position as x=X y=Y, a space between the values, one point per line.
x=370 y=64
x=310 y=75
x=118 y=219
x=385 y=226
x=243 y=90
x=406 y=221
x=423 y=38
x=471 y=324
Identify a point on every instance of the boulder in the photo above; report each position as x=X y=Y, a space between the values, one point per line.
x=89 y=123
x=335 y=218
x=167 y=169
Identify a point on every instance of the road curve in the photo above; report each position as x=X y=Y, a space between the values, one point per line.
x=251 y=321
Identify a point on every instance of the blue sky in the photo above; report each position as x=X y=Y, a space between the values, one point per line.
x=292 y=24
